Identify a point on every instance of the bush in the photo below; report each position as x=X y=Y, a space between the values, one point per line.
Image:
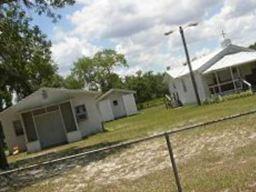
x=219 y=98
x=152 y=103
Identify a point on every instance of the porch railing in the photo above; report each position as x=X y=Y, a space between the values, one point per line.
x=247 y=84
x=230 y=86
x=172 y=101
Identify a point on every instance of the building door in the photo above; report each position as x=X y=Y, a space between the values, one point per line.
x=130 y=104
x=106 y=110
x=50 y=129
x=117 y=106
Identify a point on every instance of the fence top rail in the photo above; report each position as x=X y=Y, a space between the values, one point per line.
x=130 y=142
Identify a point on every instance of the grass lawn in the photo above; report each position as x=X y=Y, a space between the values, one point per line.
x=217 y=158
x=151 y=121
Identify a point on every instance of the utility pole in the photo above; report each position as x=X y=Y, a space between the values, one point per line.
x=189 y=66
x=3 y=161
x=188 y=58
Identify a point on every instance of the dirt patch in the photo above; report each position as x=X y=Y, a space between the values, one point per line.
x=148 y=157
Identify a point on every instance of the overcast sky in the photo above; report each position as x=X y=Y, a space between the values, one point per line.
x=136 y=29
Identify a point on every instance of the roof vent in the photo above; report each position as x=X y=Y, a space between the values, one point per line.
x=44 y=94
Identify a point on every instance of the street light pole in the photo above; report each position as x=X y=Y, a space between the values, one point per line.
x=189 y=66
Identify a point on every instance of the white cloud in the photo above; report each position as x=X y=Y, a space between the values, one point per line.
x=68 y=49
x=136 y=29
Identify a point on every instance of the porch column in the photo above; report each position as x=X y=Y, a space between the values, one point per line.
x=218 y=82
x=32 y=141
x=70 y=122
x=232 y=77
x=238 y=72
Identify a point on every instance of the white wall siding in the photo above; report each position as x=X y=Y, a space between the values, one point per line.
x=106 y=110
x=74 y=136
x=130 y=104
x=9 y=132
x=119 y=109
x=202 y=87
x=188 y=96
x=34 y=146
x=92 y=124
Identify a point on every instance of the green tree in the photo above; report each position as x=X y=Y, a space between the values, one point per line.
x=114 y=81
x=147 y=85
x=25 y=56
x=46 y=7
x=84 y=70
x=98 y=71
x=253 y=46
x=71 y=82
x=106 y=61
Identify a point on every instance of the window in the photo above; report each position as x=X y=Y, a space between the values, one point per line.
x=184 y=85
x=115 y=102
x=81 y=112
x=18 y=128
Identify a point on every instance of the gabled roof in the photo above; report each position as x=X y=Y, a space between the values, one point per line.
x=111 y=91
x=47 y=96
x=232 y=60
x=196 y=64
x=203 y=63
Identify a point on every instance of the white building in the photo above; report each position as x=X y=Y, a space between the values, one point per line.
x=117 y=103
x=51 y=117
x=230 y=69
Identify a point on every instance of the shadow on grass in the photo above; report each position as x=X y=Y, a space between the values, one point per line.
x=18 y=180
x=58 y=154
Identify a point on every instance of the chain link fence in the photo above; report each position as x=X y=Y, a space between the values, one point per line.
x=189 y=159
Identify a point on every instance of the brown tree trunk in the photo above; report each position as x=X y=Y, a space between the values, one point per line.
x=3 y=161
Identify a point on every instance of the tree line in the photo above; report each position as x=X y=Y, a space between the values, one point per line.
x=25 y=56
x=97 y=73
x=26 y=62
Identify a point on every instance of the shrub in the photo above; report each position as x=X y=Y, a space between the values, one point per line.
x=219 y=98
x=152 y=103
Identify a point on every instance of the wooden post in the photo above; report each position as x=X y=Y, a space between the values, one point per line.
x=238 y=72
x=232 y=77
x=174 y=167
x=218 y=82
x=191 y=72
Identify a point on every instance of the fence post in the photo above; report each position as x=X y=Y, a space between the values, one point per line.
x=175 y=170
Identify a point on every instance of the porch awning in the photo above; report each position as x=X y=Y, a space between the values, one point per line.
x=232 y=60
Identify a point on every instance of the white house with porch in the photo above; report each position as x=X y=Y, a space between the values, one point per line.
x=230 y=69
x=50 y=117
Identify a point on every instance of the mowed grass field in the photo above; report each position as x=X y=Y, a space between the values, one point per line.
x=219 y=157
x=216 y=158
x=151 y=121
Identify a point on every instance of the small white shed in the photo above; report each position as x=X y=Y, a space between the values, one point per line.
x=50 y=117
x=117 y=103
